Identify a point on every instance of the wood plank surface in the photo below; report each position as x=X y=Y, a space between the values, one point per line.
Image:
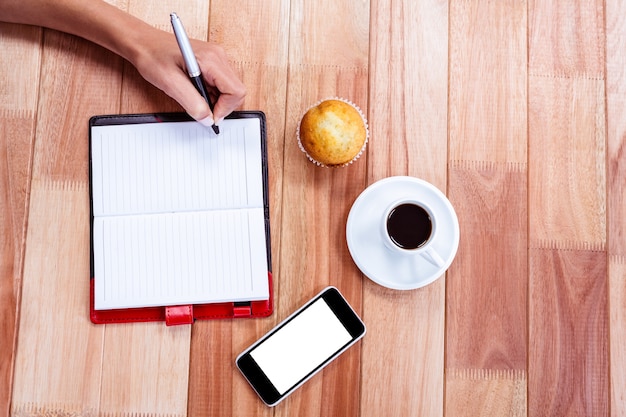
x=567 y=123
x=18 y=110
x=408 y=118
x=568 y=300
x=481 y=360
x=617 y=332
x=568 y=350
x=616 y=199
x=317 y=200
x=488 y=186
x=516 y=110
x=487 y=104
x=567 y=38
x=76 y=81
x=47 y=381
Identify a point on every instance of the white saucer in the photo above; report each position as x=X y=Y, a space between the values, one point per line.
x=366 y=245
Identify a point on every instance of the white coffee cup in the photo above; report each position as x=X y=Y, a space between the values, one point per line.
x=408 y=228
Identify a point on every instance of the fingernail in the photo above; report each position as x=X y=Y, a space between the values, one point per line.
x=207 y=121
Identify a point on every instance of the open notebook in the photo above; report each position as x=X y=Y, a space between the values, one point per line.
x=180 y=217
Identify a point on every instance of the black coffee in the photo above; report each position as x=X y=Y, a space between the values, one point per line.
x=409 y=226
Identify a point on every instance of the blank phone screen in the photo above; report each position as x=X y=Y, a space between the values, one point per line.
x=301 y=346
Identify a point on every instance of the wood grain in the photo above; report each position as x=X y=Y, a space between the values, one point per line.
x=566 y=39
x=138 y=95
x=568 y=333
x=616 y=172
x=21 y=47
x=492 y=290
x=617 y=332
x=567 y=137
x=408 y=90
x=567 y=124
x=408 y=102
x=514 y=109
x=318 y=199
x=488 y=289
x=488 y=185
x=486 y=392
x=568 y=308
x=616 y=199
x=55 y=295
x=616 y=127
x=78 y=81
x=144 y=370
x=488 y=75
x=59 y=357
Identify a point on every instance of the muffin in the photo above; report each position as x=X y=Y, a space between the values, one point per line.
x=333 y=133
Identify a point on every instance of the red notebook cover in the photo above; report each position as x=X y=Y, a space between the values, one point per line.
x=183 y=314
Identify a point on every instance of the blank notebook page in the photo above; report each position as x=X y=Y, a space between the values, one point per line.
x=178 y=214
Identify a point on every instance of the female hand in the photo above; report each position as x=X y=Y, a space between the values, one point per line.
x=155 y=53
x=161 y=63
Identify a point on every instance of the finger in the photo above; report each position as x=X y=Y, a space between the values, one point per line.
x=220 y=76
x=182 y=90
x=226 y=104
x=231 y=94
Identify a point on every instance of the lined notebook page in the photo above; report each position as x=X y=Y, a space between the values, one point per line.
x=178 y=214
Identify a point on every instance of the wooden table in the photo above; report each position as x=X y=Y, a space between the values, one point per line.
x=515 y=109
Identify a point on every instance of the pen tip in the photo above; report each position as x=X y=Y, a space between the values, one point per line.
x=173 y=15
x=216 y=129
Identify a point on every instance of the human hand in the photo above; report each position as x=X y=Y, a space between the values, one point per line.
x=160 y=62
x=155 y=53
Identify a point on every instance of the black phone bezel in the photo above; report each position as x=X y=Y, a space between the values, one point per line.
x=255 y=375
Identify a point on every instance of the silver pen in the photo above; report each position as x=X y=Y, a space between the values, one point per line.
x=193 y=69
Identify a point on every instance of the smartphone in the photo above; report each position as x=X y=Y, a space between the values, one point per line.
x=300 y=346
